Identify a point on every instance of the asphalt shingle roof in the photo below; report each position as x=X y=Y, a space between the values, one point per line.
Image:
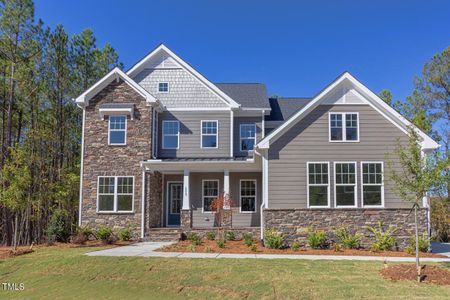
x=249 y=95
x=283 y=109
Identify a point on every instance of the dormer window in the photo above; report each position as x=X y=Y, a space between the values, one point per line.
x=344 y=127
x=163 y=87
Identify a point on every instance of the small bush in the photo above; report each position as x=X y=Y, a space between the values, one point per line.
x=125 y=234
x=274 y=239
x=346 y=239
x=253 y=247
x=230 y=236
x=58 y=229
x=210 y=235
x=105 y=234
x=194 y=238
x=248 y=239
x=337 y=247
x=317 y=239
x=82 y=234
x=383 y=240
x=208 y=249
x=192 y=247
x=221 y=243
x=423 y=244
x=296 y=246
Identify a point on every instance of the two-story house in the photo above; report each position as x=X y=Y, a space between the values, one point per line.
x=161 y=142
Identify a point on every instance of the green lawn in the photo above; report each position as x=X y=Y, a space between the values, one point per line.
x=67 y=273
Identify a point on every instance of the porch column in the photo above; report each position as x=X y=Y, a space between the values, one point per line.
x=226 y=186
x=186 y=200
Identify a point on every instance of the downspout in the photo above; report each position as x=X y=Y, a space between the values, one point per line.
x=156 y=134
x=263 y=201
x=143 y=201
x=153 y=132
x=81 y=167
x=426 y=204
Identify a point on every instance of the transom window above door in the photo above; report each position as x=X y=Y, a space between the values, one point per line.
x=344 y=127
x=209 y=134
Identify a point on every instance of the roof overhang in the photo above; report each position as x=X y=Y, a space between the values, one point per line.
x=134 y=70
x=115 y=74
x=427 y=143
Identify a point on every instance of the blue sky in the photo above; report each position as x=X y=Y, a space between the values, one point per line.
x=295 y=47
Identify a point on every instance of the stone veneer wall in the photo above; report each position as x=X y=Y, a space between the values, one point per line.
x=154 y=204
x=100 y=159
x=293 y=223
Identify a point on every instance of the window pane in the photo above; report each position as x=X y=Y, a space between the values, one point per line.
x=171 y=127
x=351 y=134
x=248 y=130
x=248 y=203
x=163 y=87
x=209 y=141
x=207 y=201
x=209 y=127
x=170 y=141
x=106 y=185
x=336 y=134
x=247 y=144
x=125 y=185
x=117 y=137
x=106 y=202
x=345 y=195
x=124 y=202
x=318 y=196
x=372 y=195
x=117 y=122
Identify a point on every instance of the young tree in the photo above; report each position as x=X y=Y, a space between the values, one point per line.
x=417 y=176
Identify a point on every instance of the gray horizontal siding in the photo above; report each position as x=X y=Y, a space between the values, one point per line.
x=308 y=141
x=236 y=125
x=190 y=134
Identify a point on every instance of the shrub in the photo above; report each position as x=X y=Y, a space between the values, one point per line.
x=82 y=234
x=273 y=239
x=296 y=246
x=337 y=247
x=125 y=234
x=317 y=239
x=247 y=236
x=105 y=234
x=382 y=240
x=210 y=235
x=192 y=247
x=253 y=247
x=59 y=226
x=248 y=240
x=423 y=244
x=221 y=243
x=230 y=236
x=346 y=239
x=194 y=238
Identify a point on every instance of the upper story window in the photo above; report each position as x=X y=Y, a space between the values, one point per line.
x=345 y=184
x=115 y=194
x=372 y=184
x=318 y=184
x=171 y=134
x=344 y=127
x=163 y=87
x=209 y=134
x=247 y=136
x=117 y=132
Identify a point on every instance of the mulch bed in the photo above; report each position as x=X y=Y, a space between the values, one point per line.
x=6 y=252
x=429 y=274
x=208 y=246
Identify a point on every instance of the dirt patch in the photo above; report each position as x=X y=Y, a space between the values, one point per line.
x=6 y=252
x=429 y=274
x=238 y=247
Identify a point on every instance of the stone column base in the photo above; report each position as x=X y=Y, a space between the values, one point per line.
x=186 y=219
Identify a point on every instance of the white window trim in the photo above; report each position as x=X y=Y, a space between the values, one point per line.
x=209 y=134
x=203 y=194
x=355 y=185
x=241 y=138
x=382 y=184
x=109 y=131
x=307 y=183
x=162 y=92
x=240 y=197
x=344 y=129
x=115 y=211
x=178 y=135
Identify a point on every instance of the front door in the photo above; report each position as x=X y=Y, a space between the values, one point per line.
x=174 y=202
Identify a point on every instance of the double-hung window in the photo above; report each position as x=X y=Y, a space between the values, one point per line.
x=318 y=184
x=163 y=87
x=344 y=127
x=247 y=136
x=345 y=184
x=209 y=134
x=372 y=184
x=210 y=192
x=171 y=134
x=117 y=130
x=248 y=195
x=115 y=194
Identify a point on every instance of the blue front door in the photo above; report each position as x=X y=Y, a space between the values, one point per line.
x=174 y=202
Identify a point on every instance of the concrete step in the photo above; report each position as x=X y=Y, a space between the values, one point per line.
x=163 y=235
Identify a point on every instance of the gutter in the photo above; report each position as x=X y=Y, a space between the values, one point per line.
x=261 y=216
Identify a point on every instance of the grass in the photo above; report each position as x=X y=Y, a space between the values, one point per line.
x=68 y=274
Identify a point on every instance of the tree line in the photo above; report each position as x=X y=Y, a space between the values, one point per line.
x=41 y=70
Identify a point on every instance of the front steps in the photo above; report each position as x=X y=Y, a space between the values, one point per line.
x=163 y=235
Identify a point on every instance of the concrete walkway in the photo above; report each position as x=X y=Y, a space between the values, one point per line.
x=147 y=249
